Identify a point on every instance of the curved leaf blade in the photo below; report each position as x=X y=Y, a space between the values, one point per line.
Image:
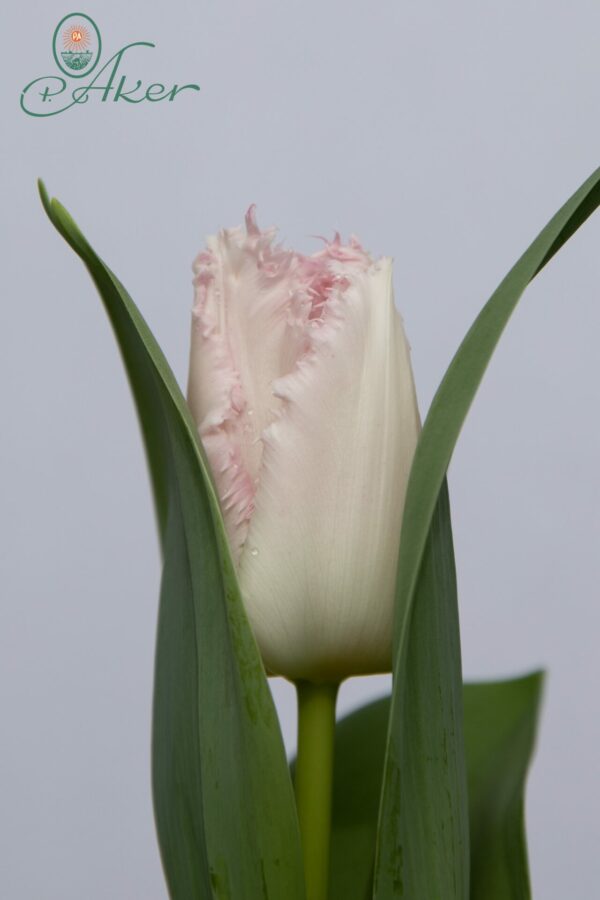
x=500 y=719
x=457 y=390
x=400 y=868
x=500 y=727
x=223 y=797
x=423 y=838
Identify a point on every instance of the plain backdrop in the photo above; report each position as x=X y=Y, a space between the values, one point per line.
x=442 y=134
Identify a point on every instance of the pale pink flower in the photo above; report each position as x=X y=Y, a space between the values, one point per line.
x=301 y=386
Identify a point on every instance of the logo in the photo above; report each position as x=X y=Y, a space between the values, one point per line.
x=76 y=45
x=77 y=50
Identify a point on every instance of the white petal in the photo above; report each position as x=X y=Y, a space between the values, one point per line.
x=244 y=336
x=318 y=567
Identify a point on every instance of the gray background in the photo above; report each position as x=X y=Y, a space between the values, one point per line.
x=444 y=135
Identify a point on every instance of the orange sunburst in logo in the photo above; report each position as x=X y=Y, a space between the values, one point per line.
x=76 y=37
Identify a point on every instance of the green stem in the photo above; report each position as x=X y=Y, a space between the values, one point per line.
x=314 y=777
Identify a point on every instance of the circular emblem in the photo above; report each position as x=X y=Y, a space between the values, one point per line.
x=76 y=45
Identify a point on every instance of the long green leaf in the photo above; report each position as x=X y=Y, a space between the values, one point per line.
x=222 y=793
x=500 y=727
x=423 y=845
x=457 y=390
x=423 y=839
x=500 y=723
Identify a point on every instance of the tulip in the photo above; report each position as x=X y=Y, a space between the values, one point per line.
x=302 y=389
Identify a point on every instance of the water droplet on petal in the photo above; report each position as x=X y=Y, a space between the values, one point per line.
x=253 y=551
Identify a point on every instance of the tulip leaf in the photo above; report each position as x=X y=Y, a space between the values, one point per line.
x=423 y=841
x=423 y=834
x=500 y=719
x=500 y=727
x=223 y=797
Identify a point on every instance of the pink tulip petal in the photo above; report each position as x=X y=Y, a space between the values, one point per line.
x=253 y=301
x=301 y=384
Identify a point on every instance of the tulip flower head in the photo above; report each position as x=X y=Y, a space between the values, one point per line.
x=302 y=389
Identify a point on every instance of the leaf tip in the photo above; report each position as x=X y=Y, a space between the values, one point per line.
x=43 y=195
x=61 y=219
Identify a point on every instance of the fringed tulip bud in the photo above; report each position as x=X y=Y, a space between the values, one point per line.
x=302 y=389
